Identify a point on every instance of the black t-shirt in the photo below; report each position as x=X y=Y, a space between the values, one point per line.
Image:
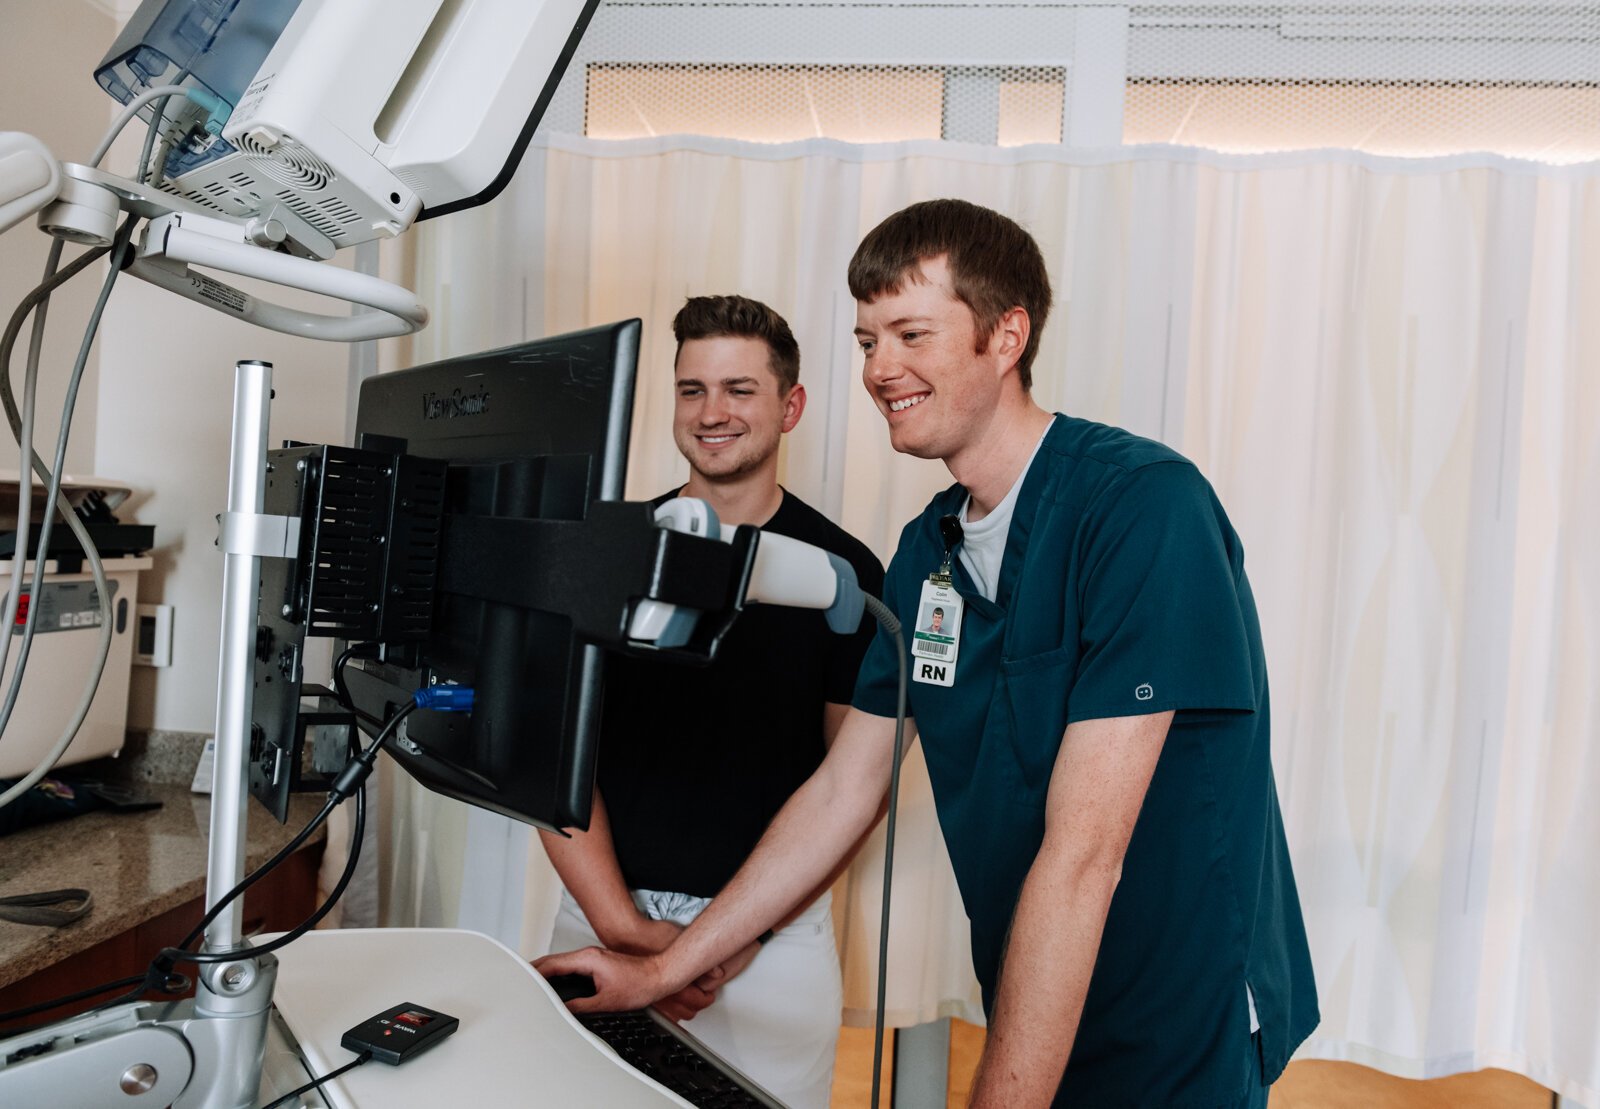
x=695 y=761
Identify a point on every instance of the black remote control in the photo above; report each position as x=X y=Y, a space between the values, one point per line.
x=397 y=1034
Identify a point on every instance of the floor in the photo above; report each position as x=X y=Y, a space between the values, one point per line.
x=1305 y=1085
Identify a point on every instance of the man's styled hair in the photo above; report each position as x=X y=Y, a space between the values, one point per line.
x=740 y=317
x=995 y=265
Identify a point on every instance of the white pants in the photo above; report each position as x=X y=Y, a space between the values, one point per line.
x=778 y=1020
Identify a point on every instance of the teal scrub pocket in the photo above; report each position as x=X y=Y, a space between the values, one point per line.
x=1036 y=689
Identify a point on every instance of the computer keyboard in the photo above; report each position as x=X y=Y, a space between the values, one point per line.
x=655 y=1046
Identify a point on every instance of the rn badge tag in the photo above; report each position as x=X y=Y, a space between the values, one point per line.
x=936 y=638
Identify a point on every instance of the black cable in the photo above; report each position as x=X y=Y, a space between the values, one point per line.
x=169 y=956
x=159 y=976
x=891 y=625
x=334 y=798
x=260 y=872
x=315 y=1082
x=161 y=966
x=142 y=984
x=341 y=689
x=81 y=995
x=347 y=783
x=288 y=849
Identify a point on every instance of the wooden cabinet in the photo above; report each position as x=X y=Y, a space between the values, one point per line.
x=275 y=904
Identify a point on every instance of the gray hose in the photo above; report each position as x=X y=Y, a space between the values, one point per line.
x=22 y=426
x=96 y=566
x=890 y=624
x=160 y=92
x=54 y=501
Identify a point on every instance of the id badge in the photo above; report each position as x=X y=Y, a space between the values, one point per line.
x=936 y=637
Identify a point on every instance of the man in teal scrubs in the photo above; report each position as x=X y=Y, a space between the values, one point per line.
x=1098 y=740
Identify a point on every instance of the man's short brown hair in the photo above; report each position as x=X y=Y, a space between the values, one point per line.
x=740 y=317
x=995 y=265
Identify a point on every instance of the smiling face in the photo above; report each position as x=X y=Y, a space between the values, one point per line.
x=934 y=382
x=731 y=410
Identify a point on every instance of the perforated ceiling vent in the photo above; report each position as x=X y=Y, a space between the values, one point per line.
x=1414 y=79
x=1521 y=79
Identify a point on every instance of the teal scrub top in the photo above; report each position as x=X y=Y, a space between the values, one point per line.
x=1121 y=592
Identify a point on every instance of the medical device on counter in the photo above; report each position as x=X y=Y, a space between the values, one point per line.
x=69 y=618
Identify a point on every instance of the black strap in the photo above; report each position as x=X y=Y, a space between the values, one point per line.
x=37 y=908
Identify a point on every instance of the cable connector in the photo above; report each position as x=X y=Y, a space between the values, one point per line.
x=356 y=771
x=444 y=698
x=217 y=109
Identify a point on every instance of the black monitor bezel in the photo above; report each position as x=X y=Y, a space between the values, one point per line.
x=379 y=687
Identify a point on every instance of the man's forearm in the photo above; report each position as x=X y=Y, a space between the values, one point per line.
x=588 y=866
x=1097 y=788
x=1050 y=955
x=815 y=829
x=838 y=870
x=833 y=719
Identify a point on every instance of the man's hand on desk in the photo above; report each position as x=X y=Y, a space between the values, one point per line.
x=621 y=982
x=624 y=981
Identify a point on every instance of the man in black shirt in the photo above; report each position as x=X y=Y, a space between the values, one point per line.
x=695 y=762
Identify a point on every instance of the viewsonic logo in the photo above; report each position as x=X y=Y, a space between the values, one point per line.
x=436 y=406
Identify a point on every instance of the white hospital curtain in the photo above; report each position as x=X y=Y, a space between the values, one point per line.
x=1386 y=368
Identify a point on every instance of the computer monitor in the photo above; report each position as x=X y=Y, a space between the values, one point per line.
x=538 y=430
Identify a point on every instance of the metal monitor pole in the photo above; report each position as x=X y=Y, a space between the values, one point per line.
x=241 y=573
x=233 y=999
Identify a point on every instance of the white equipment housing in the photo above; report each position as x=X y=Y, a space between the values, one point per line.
x=30 y=177
x=786 y=571
x=67 y=622
x=364 y=116
x=367 y=112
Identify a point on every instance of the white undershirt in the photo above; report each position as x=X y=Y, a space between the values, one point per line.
x=983 y=546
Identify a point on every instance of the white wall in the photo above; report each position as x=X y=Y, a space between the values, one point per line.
x=48 y=52
x=165 y=404
x=155 y=406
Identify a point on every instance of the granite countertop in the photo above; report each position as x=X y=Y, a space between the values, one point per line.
x=137 y=866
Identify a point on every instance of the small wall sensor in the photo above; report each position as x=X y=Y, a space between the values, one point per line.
x=152 y=646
